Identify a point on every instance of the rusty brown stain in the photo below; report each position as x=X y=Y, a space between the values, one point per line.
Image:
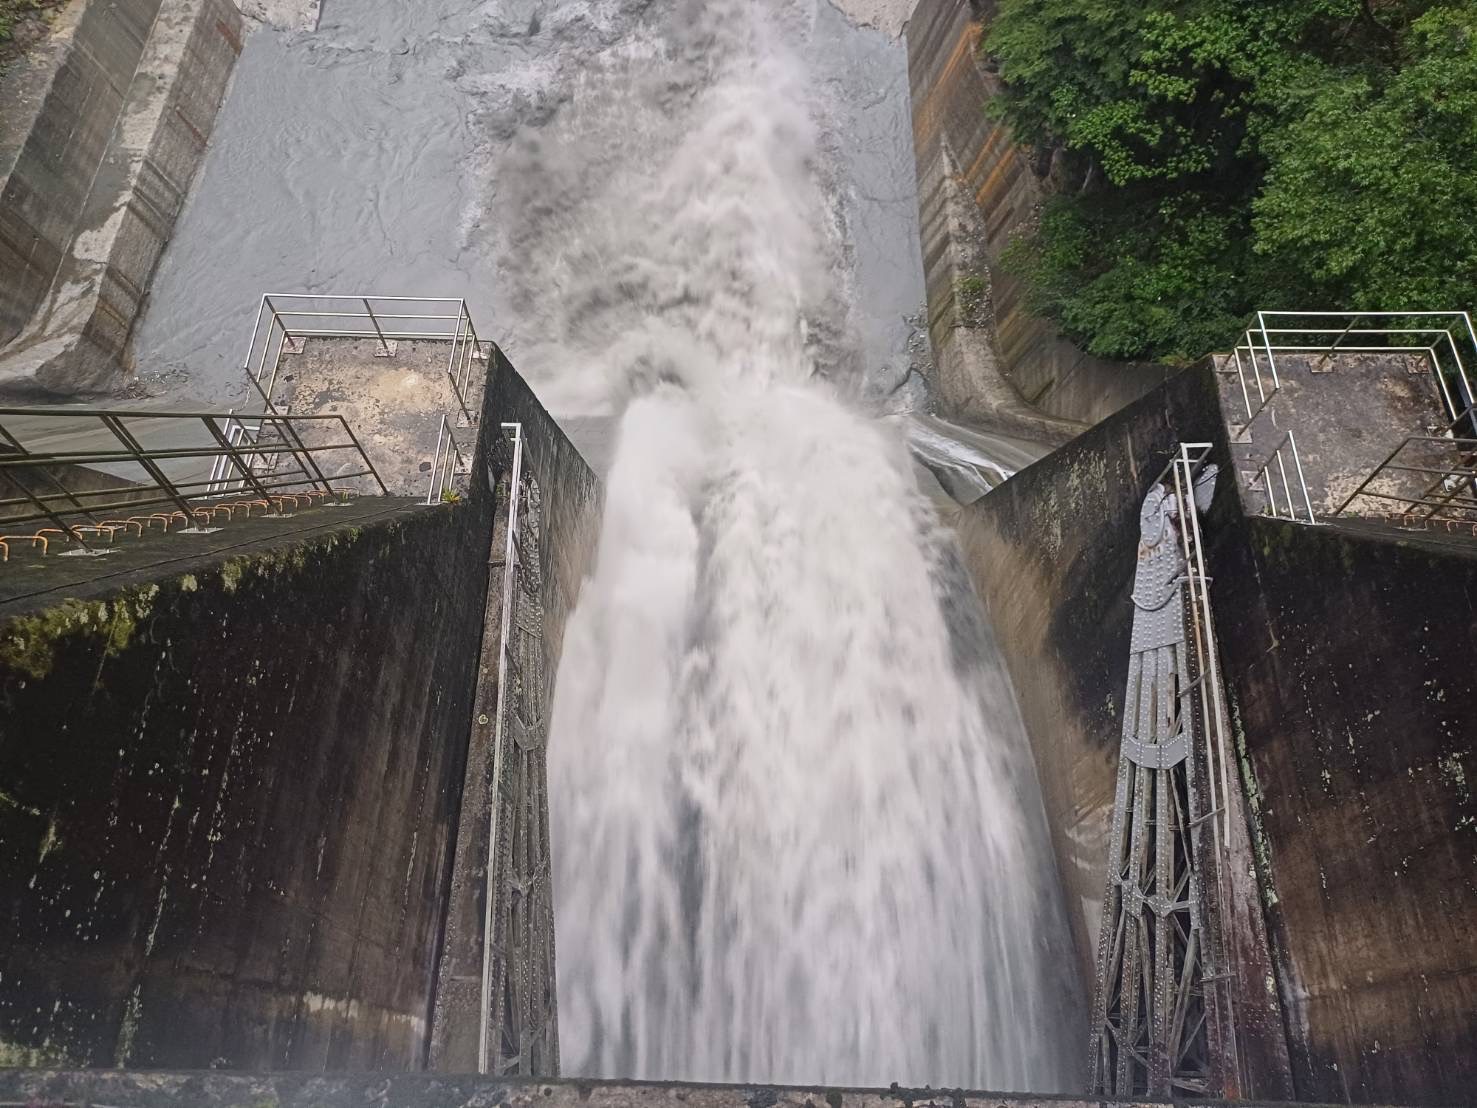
x=925 y=119
x=199 y=135
x=230 y=34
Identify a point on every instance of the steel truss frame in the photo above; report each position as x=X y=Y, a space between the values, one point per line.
x=520 y=1019
x=1162 y=1020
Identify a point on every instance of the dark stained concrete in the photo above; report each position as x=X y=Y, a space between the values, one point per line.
x=231 y=767
x=228 y=801
x=1347 y=653
x=1349 y=656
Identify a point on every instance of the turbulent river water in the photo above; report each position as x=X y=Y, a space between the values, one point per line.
x=798 y=835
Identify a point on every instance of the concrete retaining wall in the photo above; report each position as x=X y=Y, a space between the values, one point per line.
x=1053 y=552
x=998 y=364
x=571 y=501
x=229 y=785
x=568 y=519
x=1350 y=663
x=1347 y=655
x=228 y=800
x=59 y=118
x=92 y=193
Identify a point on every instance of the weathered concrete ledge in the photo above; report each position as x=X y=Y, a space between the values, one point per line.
x=90 y=197
x=999 y=365
x=123 y=1089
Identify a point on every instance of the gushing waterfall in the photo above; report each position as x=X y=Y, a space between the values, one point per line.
x=798 y=835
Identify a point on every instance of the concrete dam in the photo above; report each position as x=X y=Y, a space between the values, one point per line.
x=806 y=676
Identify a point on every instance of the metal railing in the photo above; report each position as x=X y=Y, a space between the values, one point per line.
x=448 y=463
x=173 y=476
x=1287 y=507
x=1446 y=339
x=511 y=557
x=1187 y=467
x=285 y=320
x=1447 y=467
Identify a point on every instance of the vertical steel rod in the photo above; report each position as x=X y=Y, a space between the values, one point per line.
x=232 y=453
x=376 y=323
x=358 y=446
x=489 y=893
x=124 y=436
x=20 y=448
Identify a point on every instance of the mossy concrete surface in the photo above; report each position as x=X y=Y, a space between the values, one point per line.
x=31 y=579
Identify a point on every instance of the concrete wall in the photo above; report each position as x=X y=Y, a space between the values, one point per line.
x=228 y=794
x=1347 y=656
x=571 y=500
x=1053 y=552
x=228 y=797
x=568 y=522
x=230 y=782
x=977 y=191
x=54 y=149
x=93 y=192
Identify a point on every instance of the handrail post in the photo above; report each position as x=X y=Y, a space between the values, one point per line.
x=1297 y=461
x=355 y=440
x=232 y=453
x=272 y=325
x=1333 y=346
x=436 y=463
x=383 y=344
x=132 y=445
x=285 y=423
x=20 y=448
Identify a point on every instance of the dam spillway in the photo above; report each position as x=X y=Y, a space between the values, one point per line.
x=779 y=717
x=792 y=718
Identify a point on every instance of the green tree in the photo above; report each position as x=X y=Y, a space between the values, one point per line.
x=1228 y=154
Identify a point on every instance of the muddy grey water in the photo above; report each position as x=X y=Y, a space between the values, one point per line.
x=798 y=835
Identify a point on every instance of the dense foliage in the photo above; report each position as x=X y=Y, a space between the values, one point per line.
x=28 y=15
x=1223 y=155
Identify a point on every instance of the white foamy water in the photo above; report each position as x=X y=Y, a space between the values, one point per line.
x=798 y=836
